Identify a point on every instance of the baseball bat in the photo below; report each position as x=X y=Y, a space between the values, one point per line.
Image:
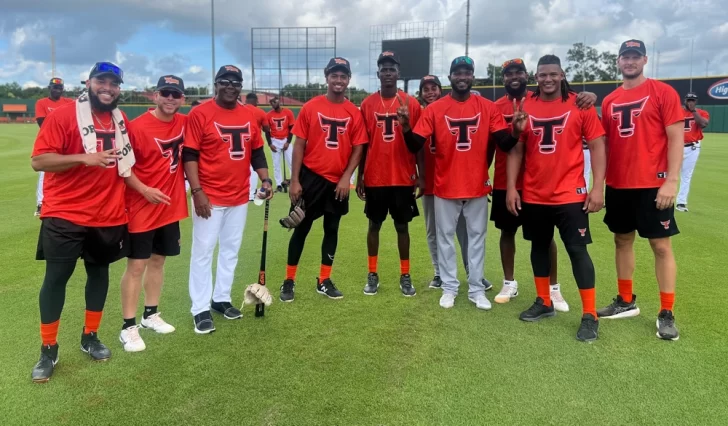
x=285 y=185
x=260 y=308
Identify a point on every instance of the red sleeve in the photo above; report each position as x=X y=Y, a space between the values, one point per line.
x=291 y=117
x=425 y=125
x=300 y=129
x=51 y=137
x=703 y=113
x=194 y=130
x=671 y=109
x=497 y=122
x=415 y=112
x=359 y=136
x=591 y=127
x=256 y=139
x=40 y=112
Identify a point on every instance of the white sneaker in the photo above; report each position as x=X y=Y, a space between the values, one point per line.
x=508 y=292
x=447 y=300
x=156 y=323
x=481 y=302
x=131 y=339
x=557 y=299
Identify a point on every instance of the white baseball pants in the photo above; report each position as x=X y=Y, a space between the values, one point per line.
x=39 y=189
x=287 y=156
x=587 y=167
x=690 y=158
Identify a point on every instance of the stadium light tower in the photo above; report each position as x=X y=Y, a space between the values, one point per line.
x=212 y=37
x=467 y=27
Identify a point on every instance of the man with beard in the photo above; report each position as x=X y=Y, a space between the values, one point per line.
x=696 y=120
x=644 y=122
x=43 y=107
x=460 y=126
x=280 y=122
x=554 y=191
x=156 y=200
x=387 y=171
x=83 y=211
x=222 y=141
x=251 y=102
x=330 y=135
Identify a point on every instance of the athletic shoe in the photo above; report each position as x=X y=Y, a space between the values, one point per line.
x=91 y=344
x=508 y=292
x=156 y=323
x=203 y=323
x=436 y=282
x=666 y=329
x=405 y=284
x=279 y=188
x=447 y=300
x=679 y=207
x=557 y=300
x=37 y=211
x=620 y=309
x=287 y=293
x=227 y=309
x=131 y=339
x=372 y=284
x=481 y=302
x=43 y=369
x=537 y=311
x=328 y=289
x=589 y=329
x=488 y=286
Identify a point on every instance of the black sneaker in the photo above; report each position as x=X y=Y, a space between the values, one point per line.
x=681 y=208
x=537 y=311
x=620 y=309
x=405 y=284
x=287 y=291
x=279 y=188
x=37 y=211
x=327 y=288
x=666 y=329
x=488 y=286
x=372 y=284
x=589 y=329
x=436 y=282
x=43 y=369
x=227 y=309
x=203 y=323
x=91 y=344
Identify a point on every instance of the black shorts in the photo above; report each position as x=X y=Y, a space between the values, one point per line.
x=500 y=215
x=164 y=241
x=398 y=201
x=631 y=210
x=539 y=221
x=319 y=195
x=64 y=241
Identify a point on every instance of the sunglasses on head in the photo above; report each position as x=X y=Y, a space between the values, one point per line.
x=108 y=67
x=56 y=81
x=228 y=83
x=511 y=62
x=462 y=60
x=175 y=94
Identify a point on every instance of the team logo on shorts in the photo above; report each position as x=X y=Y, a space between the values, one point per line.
x=582 y=231
x=666 y=224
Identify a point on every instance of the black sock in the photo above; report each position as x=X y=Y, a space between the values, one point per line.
x=149 y=311
x=129 y=322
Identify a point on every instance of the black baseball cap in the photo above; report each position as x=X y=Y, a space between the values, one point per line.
x=388 y=55
x=691 y=97
x=229 y=70
x=338 y=63
x=106 y=68
x=462 y=61
x=637 y=46
x=55 y=81
x=430 y=79
x=171 y=82
x=516 y=63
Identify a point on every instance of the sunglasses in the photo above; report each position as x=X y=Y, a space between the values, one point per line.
x=228 y=83
x=462 y=60
x=57 y=81
x=511 y=62
x=108 y=67
x=175 y=94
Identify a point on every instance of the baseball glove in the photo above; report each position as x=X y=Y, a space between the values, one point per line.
x=256 y=293
x=295 y=217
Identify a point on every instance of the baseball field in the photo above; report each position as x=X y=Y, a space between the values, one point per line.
x=385 y=359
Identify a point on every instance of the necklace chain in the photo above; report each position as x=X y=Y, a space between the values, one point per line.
x=381 y=99
x=101 y=123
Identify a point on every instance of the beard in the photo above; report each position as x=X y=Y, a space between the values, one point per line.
x=464 y=91
x=100 y=106
x=517 y=93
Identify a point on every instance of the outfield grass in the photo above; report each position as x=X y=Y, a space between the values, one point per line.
x=374 y=360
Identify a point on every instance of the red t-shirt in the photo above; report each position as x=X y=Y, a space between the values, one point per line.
x=225 y=139
x=553 y=153
x=500 y=178
x=389 y=162
x=158 y=152
x=260 y=116
x=461 y=131
x=86 y=196
x=429 y=152
x=45 y=106
x=280 y=122
x=693 y=132
x=331 y=131
x=635 y=122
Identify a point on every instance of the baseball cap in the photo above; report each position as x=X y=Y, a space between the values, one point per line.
x=106 y=68
x=691 y=96
x=430 y=79
x=462 y=61
x=55 y=81
x=339 y=63
x=171 y=82
x=633 y=45
x=388 y=55
x=516 y=63
x=230 y=70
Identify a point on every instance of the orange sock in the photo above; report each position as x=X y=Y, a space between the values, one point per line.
x=49 y=333
x=589 y=301
x=625 y=290
x=543 y=288
x=667 y=300
x=404 y=266
x=325 y=272
x=93 y=319
x=291 y=272
x=373 y=264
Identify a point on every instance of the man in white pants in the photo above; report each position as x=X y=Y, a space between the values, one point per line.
x=587 y=161
x=222 y=142
x=695 y=121
x=280 y=122
x=251 y=102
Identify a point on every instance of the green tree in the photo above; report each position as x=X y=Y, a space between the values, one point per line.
x=585 y=63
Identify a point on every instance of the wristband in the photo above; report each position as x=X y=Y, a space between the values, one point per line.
x=196 y=190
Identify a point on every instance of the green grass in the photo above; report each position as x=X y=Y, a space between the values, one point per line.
x=374 y=360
